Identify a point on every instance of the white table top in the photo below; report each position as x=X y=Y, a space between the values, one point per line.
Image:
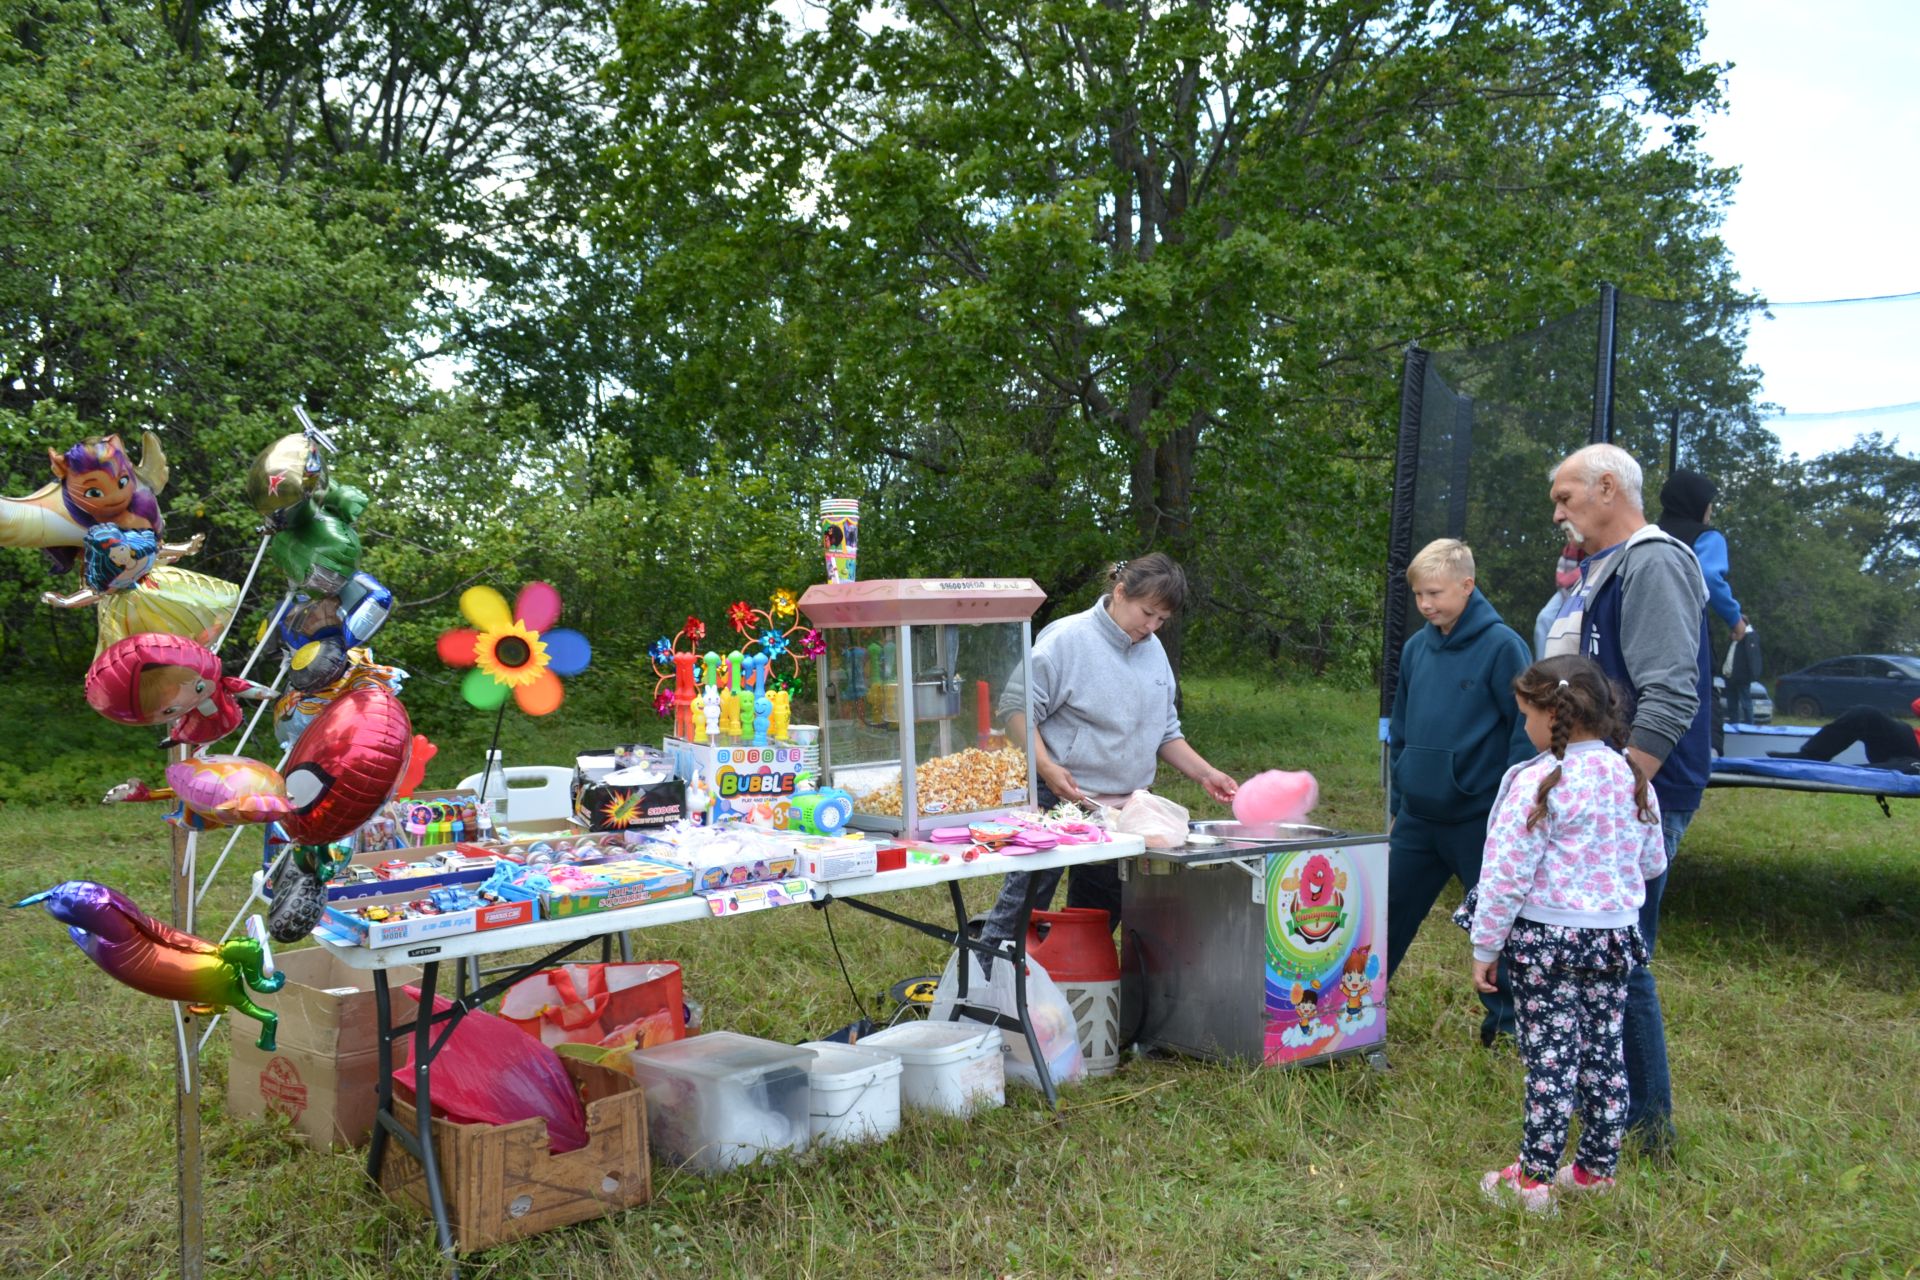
x=554 y=933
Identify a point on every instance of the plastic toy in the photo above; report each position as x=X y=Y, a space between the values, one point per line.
x=514 y=651
x=159 y=960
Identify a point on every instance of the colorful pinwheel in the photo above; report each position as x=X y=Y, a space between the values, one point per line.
x=695 y=631
x=740 y=614
x=784 y=605
x=514 y=651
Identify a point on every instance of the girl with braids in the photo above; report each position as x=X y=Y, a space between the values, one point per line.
x=1574 y=837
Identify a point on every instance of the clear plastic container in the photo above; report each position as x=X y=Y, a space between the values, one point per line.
x=950 y=1067
x=721 y=1100
x=856 y=1093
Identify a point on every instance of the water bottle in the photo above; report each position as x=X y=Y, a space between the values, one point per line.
x=493 y=788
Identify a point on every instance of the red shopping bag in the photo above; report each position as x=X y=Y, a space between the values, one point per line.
x=599 y=1003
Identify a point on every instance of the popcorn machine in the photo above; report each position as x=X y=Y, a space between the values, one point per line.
x=910 y=688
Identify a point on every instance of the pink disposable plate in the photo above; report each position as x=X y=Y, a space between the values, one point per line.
x=1034 y=838
x=950 y=835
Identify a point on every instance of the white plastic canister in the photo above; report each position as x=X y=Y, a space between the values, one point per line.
x=951 y=1067
x=855 y=1093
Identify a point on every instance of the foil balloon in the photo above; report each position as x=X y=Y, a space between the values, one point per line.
x=162 y=679
x=287 y=473
x=95 y=482
x=135 y=589
x=162 y=961
x=228 y=791
x=352 y=617
x=317 y=547
x=339 y=674
x=347 y=764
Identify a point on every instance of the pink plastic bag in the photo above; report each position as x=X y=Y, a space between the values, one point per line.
x=491 y=1072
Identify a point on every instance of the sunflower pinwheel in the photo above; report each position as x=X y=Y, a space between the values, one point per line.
x=514 y=651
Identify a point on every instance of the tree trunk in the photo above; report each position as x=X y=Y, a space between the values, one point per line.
x=1162 y=502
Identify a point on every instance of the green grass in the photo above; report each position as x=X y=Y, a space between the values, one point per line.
x=1788 y=963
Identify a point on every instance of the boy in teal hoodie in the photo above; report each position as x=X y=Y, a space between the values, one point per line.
x=1455 y=730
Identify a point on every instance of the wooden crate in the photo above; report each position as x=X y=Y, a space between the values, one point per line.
x=500 y=1181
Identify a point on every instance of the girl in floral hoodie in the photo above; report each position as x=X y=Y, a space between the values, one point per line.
x=1574 y=837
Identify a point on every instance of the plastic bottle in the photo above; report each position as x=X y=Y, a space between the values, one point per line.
x=493 y=788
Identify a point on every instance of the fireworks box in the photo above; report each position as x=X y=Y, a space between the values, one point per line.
x=618 y=789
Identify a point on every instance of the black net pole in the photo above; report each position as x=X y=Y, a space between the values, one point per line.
x=1406 y=467
x=1602 y=431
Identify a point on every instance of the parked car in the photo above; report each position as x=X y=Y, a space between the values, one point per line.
x=1762 y=704
x=1887 y=682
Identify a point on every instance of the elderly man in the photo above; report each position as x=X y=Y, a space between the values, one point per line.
x=1640 y=612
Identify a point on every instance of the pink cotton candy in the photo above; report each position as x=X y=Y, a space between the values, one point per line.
x=1276 y=796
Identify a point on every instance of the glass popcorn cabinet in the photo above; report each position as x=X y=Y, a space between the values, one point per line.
x=918 y=681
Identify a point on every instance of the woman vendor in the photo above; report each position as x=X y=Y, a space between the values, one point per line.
x=1104 y=717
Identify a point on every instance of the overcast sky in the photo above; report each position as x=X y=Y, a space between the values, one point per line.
x=1823 y=119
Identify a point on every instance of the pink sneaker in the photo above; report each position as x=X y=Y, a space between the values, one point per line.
x=1511 y=1184
x=1573 y=1178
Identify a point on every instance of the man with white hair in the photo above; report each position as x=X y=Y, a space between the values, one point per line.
x=1640 y=612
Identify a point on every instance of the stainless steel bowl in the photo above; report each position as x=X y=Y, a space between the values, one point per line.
x=1264 y=832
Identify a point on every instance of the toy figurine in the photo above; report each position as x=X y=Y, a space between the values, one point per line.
x=782 y=715
x=762 y=714
x=710 y=711
x=730 y=713
x=683 y=695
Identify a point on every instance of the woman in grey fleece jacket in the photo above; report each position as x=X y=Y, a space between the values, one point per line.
x=1104 y=718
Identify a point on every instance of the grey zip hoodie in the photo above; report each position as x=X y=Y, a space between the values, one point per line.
x=1101 y=703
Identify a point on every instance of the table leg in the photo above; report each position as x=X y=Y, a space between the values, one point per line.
x=383 y=1082
x=423 y=1053
x=1023 y=1022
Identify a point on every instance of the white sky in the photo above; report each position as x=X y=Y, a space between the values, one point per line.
x=1823 y=119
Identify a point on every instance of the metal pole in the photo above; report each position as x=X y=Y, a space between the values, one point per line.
x=186 y=1093
x=1602 y=432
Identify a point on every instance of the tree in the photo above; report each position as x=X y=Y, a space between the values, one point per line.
x=1038 y=263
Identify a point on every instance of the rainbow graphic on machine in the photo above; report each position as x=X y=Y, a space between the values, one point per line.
x=1326 y=963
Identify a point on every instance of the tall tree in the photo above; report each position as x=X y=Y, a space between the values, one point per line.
x=1033 y=262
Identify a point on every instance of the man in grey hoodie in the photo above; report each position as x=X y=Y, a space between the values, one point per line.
x=1640 y=612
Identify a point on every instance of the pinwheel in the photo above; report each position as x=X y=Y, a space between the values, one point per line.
x=514 y=651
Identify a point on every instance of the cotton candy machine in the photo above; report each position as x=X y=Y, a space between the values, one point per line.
x=1265 y=944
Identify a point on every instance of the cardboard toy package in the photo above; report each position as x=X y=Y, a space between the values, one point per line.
x=608 y=886
x=626 y=789
x=323 y=1071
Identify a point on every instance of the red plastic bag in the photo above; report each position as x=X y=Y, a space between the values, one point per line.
x=598 y=1003
x=491 y=1073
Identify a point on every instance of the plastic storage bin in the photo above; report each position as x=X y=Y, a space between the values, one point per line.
x=855 y=1093
x=952 y=1067
x=721 y=1100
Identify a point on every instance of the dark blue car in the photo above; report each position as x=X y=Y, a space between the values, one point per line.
x=1887 y=682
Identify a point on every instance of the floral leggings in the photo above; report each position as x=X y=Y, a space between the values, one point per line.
x=1570 y=1021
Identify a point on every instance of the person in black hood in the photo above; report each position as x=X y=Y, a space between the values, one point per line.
x=1686 y=512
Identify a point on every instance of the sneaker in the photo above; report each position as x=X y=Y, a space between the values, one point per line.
x=1509 y=1184
x=1573 y=1178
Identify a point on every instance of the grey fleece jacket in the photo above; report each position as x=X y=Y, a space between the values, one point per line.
x=1101 y=703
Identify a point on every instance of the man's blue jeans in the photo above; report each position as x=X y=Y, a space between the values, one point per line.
x=1649 y=1087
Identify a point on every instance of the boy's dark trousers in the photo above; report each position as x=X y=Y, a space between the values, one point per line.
x=1421 y=857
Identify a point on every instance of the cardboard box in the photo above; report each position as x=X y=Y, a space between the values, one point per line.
x=343 y=919
x=613 y=806
x=631 y=882
x=323 y=1074
x=741 y=776
x=502 y=1183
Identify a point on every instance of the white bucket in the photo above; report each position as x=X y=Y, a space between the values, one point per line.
x=1096 y=1019
x=951 y=1067
x=855 y=1093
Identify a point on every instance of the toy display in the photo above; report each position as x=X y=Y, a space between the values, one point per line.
x=713 y=697
x=159 y=960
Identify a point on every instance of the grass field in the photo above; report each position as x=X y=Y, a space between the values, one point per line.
x=1789 y=952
